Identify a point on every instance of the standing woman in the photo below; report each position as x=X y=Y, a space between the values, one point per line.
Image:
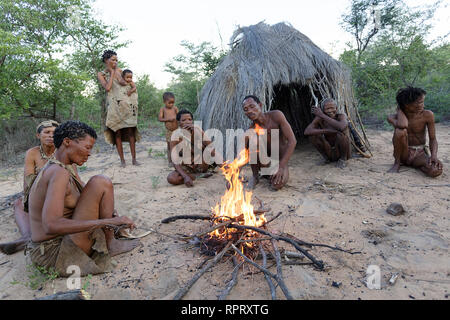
x=121 y=121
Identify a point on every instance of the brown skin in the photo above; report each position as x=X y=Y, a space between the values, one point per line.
x=410 y=126
x=128 y=78
x=330 y=129
x=112 y=69
x=168 y=115
x=271 y=120
x=57 y=208
x=33 y=163
x=179 y=176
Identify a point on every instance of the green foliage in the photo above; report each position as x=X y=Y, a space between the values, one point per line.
x=394 y=55
x=38 y=276
x=149 y=98
x=191 y=70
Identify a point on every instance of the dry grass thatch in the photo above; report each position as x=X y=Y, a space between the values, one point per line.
x=285 y=69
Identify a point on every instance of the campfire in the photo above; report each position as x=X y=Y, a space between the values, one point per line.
x=235 y=207
x=239 y=233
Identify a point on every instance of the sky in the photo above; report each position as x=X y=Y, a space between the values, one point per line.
x=156 y=28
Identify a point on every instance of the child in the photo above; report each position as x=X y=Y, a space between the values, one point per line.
x=130 y=90
x=168 y=114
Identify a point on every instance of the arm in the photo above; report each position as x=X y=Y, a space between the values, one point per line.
x=433 y=141
x=340 y=125
x=187 y=179
x=107 y=85
x=289 y=134
x=53 y=220
x=398 y=120
x=29 y=165
x=118 y=75
x=132 y=90
x=313 y=129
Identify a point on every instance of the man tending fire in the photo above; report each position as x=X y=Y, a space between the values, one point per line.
x=268 y=121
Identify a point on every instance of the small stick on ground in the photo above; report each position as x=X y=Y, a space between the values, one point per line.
x=279 y=214
x=267 y=272
x=280 y=280
x=192 y=217
x=269 y=281
x=230 y=285
x=182 y=292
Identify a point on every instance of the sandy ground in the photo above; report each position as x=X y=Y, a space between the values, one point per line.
x=323 y=204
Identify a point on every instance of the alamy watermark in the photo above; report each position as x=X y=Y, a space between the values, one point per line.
x=230 y=146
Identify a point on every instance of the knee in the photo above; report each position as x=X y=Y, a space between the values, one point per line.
x=101 y=181
x=174 y=179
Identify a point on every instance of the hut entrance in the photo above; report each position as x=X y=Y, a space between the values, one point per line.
x=295 y=102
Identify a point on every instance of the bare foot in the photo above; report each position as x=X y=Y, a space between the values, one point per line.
x=14 y=246
x=123 y=164
x=253 y=182
x=116 y=247
x=323 y=162
x=341 y=164
x=136 y=163
x=395 y=168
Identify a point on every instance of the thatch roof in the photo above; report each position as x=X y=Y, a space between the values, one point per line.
x=281 y=66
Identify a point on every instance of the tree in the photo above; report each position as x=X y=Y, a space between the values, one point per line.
x=191 y=70
x=396 y=55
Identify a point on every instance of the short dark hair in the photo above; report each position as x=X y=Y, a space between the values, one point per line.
x=124 y=72
x=108 y=54
x=408 y=95
x=184 y=111
x=72 y=130
x=168 y=95
x=253 y=97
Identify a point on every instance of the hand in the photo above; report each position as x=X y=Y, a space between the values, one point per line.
x=189 y=126
x=278 y=177
x=188 y=181
x=434 y=162
x=118 y=221
x=129 y=93
x=317 y=111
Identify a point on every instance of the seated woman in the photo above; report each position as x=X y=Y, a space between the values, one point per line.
x=35 y=159
x=73 y=224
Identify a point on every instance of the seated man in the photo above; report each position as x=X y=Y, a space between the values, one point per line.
x=268 y=121
x=329 y=133
x=71 y=222
x=35 y=159
x=410 y=125
x=187 y=172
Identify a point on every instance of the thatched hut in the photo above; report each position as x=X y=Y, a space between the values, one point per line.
x=286 y=70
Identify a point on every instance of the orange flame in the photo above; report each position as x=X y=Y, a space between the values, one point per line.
x=236 y=202
x=259 y=130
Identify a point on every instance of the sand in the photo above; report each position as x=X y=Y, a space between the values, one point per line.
x=321 y=203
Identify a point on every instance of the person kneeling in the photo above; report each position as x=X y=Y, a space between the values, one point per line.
x=71 y=222
x=185 y=139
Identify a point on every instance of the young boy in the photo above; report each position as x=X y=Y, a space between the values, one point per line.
x=411 y=123
x=168 y=114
